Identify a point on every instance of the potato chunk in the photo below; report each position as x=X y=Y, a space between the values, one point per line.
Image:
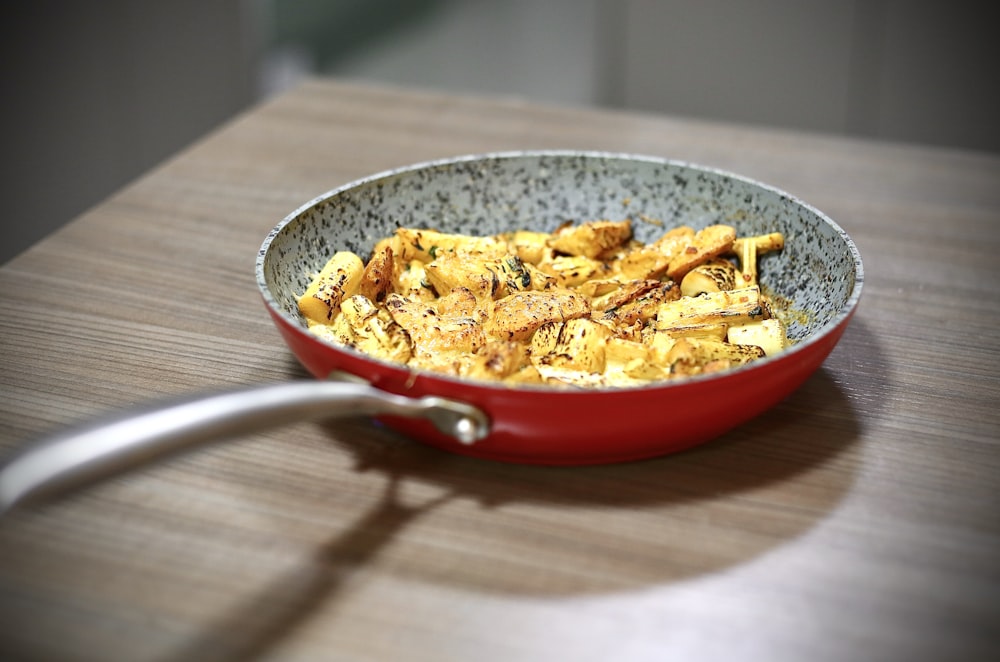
x=338 y=280
x=379 y=274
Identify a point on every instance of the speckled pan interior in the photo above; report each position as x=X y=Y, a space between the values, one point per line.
x=819 y=272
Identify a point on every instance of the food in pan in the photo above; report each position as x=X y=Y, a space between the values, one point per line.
x=585 y=305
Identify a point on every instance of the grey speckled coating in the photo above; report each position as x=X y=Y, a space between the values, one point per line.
x=819 y=271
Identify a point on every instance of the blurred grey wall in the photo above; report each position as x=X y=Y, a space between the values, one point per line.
x=97 y=93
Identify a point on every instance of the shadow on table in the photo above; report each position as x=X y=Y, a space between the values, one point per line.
x=662 y=520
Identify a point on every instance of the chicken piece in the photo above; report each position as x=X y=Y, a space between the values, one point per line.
x=592 y=239
x=357 y=310
x=460 y=302
x=545 y=338
x=497 y=360
x=369 y=329
x=638 y=301
x=517 y=316
x=412 y=283
x=623 y=292
x=338 y=280
x=487 y=278
x=539 y=279
x=709 y=243
x=573 y=270
x=514 y=275
x=598 y=288
x=531 y=247
x=642 y=263
x=431 y=332
x=674 y=240
x=650 y=261
x=579 y=346
x=449 y=271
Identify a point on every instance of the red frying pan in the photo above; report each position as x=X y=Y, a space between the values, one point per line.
x=818 y=274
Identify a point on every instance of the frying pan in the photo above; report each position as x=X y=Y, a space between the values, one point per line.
x=817 y=277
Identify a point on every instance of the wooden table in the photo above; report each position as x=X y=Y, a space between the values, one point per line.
x=859 y=520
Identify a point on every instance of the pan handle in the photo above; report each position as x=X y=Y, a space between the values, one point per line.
x=82 y=457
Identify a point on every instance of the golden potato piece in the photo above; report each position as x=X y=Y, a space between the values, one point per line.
x=545 y=338
x=380 y=273
x=338 y=280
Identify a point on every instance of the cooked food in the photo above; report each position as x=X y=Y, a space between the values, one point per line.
x=586 y=305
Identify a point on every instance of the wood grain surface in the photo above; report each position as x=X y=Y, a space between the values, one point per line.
x=858 y=520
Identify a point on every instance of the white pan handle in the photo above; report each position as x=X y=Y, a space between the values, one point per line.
x=82 y=457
